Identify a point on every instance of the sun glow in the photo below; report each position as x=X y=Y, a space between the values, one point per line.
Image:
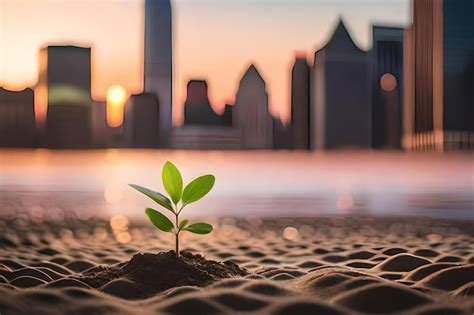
x=116 y=98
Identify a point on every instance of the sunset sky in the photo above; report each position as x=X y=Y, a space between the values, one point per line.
x=214 y=40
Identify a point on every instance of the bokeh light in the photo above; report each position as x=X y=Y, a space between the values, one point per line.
x=290 y=233
x=119 y=222
x=123 y=237
x=388 y=82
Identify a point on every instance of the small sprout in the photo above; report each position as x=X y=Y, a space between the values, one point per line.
x=179 y=198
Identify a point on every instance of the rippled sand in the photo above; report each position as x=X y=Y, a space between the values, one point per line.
x=328 y=265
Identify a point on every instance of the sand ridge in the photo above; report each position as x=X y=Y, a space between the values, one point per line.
x=327 y=265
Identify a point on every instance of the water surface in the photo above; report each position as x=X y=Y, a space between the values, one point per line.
x=249 y=183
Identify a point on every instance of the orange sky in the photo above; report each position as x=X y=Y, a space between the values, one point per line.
x=214 y=40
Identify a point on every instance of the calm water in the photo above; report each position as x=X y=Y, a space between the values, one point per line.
x=255 y=183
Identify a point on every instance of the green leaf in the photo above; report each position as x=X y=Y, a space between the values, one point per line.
x=198 y=188
x=199 y=228
x=172 y=181
x=156 y=196
x=159 y=220
x=183 y=224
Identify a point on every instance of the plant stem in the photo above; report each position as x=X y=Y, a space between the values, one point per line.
x=177 y=246
x=177 y=236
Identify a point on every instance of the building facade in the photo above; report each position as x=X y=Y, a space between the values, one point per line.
x=440 y=64
x=250 y=113
x=227 y=115
x=63 y=107
x=158 y=68
x=300 y=114
x=142 y=121
x=340 y=100
x=282 y=133
x=387 y=87
x=205 y=138
x=17 y=118
x=68 y=126
x=99 y=125
x=197 y=108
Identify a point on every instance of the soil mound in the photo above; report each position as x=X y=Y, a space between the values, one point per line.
x=145 y=275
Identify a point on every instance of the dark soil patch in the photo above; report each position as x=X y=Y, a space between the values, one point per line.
x=147 y=274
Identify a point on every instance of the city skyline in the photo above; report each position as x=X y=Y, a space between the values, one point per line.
x=196 y=52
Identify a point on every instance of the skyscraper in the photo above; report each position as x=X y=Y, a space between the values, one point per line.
x=440 y=95
x=142 y=121
x=197 y=108
x=387 y=87
x=340 y=104
x=300 y=104
x=65 y=98
x=158 y=67
x=17 y=118
x=250 y=115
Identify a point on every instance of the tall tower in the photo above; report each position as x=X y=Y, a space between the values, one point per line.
x=387 y=87
x=158 y=67
x=300 y=104
x=250 y=114
x=64 y=102
x=439 y=101
x=341 y=102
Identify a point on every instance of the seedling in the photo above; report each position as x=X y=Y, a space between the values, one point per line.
x=179 y=199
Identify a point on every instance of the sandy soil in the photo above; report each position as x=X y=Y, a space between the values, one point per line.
x=327 y=265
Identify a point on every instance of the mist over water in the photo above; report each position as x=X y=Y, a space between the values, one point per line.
x=248 y=183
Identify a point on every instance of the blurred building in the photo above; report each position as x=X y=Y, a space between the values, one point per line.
x=141 y=126
x=68 y=126
x=282 y=135
x=99 y=124
x=158 y=59
x=17 y=118
x=250 y=113
x=203 y=128
x=227 y=115
x=197 y=108
x=387 y=87
x=341 y=109
x=300 y=117
x=65 y=75
x=439 y=72
x=205 y=138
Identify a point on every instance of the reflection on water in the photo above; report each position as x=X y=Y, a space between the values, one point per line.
x=251 y=183
x=113 y=193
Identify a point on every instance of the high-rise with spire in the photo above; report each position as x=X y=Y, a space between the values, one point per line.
x=158 y=69
x=341 y=102
x=250 y=115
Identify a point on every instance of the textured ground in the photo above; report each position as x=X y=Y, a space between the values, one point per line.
x=331 y=265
